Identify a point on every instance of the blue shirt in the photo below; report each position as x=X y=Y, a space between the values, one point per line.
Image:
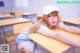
x=23 y=36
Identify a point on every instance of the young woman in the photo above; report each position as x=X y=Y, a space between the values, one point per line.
x=46 y=25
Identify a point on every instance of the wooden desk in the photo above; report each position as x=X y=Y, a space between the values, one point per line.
x=5 y=16
x=72 y=20
x=9 y=29
x=28 y=13
x=12 y=21
x=53 y=45
x=10 y=26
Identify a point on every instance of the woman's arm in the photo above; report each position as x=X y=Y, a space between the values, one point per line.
x=69 y=28
x=59 y=36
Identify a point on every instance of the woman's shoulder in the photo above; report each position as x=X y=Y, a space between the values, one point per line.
x=42 y=27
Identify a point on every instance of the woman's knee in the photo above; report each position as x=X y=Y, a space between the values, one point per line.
x=28 y=46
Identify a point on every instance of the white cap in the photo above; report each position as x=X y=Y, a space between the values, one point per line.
x=49 y=9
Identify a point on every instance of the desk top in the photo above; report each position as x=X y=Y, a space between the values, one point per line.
x=28 y=13
x=72 y=20
x=53 y=45
x=5 y=16
x=12 y=21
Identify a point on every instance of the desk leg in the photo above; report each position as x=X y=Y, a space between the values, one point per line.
x=73 y=50
x=35 y=45
x=3 y=34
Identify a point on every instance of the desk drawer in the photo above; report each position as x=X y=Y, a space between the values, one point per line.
x=9 y=33
x=8 y=28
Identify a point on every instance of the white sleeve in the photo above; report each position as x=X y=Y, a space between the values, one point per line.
x=42 y=27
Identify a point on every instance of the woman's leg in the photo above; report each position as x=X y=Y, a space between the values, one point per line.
x=27 y=46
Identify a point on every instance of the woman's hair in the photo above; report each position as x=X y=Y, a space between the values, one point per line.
x=42 y=20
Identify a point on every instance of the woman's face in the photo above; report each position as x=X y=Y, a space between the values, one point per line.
x=52 y=19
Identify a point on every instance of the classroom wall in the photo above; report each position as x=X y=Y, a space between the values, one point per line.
x=67 y=10
x=22 y=5
x=37 y=5
x=70 y=11
x=9 y=5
